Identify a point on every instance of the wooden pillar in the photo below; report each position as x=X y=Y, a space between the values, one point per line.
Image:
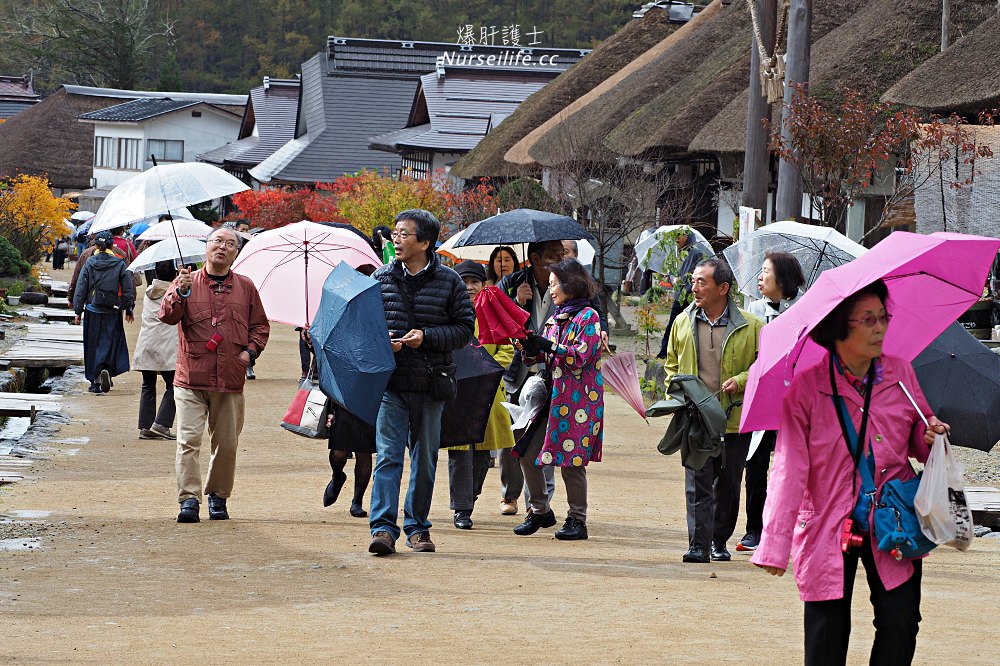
x=945 y=23
x=789 y=194
x=757 y=158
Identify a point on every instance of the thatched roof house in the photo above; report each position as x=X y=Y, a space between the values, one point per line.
x=867 y=46
x=613 y=54
x=943 y=84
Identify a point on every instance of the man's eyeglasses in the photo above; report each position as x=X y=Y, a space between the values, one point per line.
x=401 y=235
x=869 y=321
x=231 y=244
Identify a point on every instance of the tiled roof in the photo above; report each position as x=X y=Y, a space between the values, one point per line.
x=138 y=110
x=17 y=88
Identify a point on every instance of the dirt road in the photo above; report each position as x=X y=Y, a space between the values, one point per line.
x=113 y=579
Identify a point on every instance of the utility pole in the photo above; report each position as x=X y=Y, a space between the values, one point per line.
x=789 y=194
x=757 y=158
x=946 y=23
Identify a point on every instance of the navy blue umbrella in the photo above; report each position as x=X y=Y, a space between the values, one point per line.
x=960 y=378
x=523 y=225
x=353 y=354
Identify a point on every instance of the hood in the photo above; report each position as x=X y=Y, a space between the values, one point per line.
x=157 y=289
x=102 y=261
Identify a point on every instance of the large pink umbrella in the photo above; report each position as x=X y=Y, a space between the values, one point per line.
x=288 y=266
x=932 y=280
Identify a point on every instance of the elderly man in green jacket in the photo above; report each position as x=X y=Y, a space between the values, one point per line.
x=716 y=341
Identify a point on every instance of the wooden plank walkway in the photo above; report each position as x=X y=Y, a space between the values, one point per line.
x=62 y=315
x=47 y=346
x=985 y=505
x=28 y=404
x=54 y=287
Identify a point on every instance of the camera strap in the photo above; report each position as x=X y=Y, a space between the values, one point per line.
x=855 y=440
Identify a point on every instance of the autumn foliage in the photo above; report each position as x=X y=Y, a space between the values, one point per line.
x=31 y=218
x=368 y=199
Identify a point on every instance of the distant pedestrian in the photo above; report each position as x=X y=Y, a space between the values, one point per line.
x=693 y=253
x=223 y=327
x=104 y=291
x=429 y=315
x=156 y=354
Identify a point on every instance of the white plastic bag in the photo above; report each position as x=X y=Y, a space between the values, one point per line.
x=940 y=503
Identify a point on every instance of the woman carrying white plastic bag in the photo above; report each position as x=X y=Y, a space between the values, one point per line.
x=940 y=503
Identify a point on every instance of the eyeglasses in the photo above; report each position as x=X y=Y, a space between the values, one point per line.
x=401 y=235
x=231 y=244
x=869 y=320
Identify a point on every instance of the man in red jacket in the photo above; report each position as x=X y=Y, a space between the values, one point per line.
x=222 y=327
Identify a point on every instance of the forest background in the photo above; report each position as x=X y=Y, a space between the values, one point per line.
x=227 y=46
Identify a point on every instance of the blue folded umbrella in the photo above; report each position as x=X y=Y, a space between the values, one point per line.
x=351 y=339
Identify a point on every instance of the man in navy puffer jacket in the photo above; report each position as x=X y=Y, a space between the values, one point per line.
x=429 y=315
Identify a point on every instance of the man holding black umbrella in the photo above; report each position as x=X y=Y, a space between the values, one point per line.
x=429 y=316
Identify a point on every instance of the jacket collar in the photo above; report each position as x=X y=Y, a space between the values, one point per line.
x=890 y=378
x=736 y=318
x=396 y=268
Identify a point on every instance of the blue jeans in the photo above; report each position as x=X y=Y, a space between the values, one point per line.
x=405 y=420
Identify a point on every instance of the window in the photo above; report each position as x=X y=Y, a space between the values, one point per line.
x=165 y=151
x=104 y=152
x=130 y=154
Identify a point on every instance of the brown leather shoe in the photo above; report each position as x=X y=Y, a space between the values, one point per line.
x=382 y=544
x=420 y=542
x=508 y=507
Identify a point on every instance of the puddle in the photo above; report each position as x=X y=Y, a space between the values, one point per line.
x=29 y=514
x=20 y=544
x=15 y=428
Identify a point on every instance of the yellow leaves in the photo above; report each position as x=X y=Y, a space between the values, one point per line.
x=31 y=217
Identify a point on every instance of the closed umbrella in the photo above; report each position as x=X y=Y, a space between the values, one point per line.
x=464 y=420
x=816 y=248
x=353 y=354
x=184 y=251
x=289 y=266
x=931 y=280
x=522 y=225
x=960 y=378
x=499 y=318
x=621 y=373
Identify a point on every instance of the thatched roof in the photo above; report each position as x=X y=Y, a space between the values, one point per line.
x=875 y=44
x=943 y=84
x=614 y=53
x=583 y=125
x=48 y=139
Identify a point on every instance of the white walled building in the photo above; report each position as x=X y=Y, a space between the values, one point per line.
x=127 y=137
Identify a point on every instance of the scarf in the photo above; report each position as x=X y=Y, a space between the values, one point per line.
x=569 y=308
x=860 y=384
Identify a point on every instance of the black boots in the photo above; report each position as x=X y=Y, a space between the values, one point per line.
x=573 y=529
x=189 y=511
x=535 y=521
x=217 y=508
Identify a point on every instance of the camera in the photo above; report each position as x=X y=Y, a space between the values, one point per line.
x=848 y=539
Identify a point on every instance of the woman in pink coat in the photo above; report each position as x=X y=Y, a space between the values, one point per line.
x=814 y=485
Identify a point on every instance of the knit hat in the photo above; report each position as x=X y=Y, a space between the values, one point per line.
x=104 y=240
x=469 y=268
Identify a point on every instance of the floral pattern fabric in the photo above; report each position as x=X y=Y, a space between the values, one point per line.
x=574 y=432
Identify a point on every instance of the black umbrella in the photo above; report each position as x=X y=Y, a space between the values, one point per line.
x=960 y=377
x=465 y=418
x=523 y=225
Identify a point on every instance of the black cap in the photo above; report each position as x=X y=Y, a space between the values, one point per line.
x=469 y=268
x=104 y=239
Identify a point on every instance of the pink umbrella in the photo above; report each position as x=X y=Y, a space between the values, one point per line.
x=931 y=279
x=289 y=265
x=621 y=373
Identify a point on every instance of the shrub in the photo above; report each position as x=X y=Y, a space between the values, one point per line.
x=11 y=263
x=31 y=218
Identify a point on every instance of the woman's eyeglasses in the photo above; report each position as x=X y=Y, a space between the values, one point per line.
x=869 y=321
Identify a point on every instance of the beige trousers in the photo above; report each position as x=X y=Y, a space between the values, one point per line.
x=223 y=413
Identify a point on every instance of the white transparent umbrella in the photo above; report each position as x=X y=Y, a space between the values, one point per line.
x=188 y=250
x=162 y=188
x=655 y=252
x=816 y=248
x=179 y=227
x=81 y=215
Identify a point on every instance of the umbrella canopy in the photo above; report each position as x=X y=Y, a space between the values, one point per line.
x=188 y=250
x=464 y=419
x=69 y=227
x=931 y=279
x=499 y=318
x=481 y=253
x=960 y=378
x=179 y=227
x=816 y=248
x=522 y=225
x=162 y=188
x=83 y=231
x=621 y=373
x=655 y=252
x=289 y=266
x=81 y=215
x=353 y=353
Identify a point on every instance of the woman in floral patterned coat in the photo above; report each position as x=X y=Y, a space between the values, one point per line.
x=572 y=435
